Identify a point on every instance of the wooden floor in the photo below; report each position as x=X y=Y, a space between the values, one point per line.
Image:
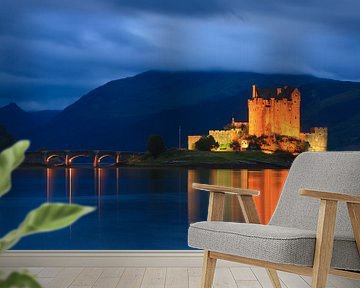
x=167 y=277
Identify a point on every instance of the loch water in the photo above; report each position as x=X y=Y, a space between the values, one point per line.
x=137 y=208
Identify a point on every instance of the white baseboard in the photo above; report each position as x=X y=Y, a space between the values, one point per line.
x=105 y=258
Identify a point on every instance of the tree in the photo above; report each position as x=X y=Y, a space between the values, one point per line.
x=6 y=140
x=206 y=143
x=302 y=146
x=235 y=145
x=156 y=145
x=255 y=143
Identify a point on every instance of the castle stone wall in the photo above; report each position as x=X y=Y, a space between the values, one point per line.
x=225 y=136
x=192 y=140
x=317 y=138
x=275 y=116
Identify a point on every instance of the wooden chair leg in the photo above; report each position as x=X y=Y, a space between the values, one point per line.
x=274 y=278
x=354 y=212
x=208 y=270
x=215 y=213
x=251 y=215
x=324 y=243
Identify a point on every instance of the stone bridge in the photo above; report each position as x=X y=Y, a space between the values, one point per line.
x=67 y=156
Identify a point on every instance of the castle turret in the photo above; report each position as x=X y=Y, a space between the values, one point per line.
x=253 y=91
x=274 y=111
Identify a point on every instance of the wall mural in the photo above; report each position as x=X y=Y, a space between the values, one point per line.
x=127 y=103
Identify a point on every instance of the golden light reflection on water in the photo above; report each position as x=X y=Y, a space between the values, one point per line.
x=117 y=180
x=98 y=178
x=72 y=179
x=49 y=183
x=268 y=181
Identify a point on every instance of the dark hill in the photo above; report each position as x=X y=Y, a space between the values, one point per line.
x=23 y=124
x=122 y=113
x=16 y=121
x=44 y=116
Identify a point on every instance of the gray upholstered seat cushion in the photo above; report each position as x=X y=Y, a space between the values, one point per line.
x=269 y=242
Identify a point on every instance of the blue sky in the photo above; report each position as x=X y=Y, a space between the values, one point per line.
x=52 y=52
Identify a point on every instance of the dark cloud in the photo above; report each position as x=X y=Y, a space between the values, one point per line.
x=52 y=52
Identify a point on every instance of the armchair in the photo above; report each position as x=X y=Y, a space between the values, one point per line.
x=312 y=232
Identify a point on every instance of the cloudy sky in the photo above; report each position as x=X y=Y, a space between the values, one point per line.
x=52 y=52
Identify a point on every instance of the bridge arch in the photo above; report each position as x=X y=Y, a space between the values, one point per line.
x=49 y=157
x=66 y=157
x=98 y=159
x=78 y=156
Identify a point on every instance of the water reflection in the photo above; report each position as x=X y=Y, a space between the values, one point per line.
x=268 y=181
x=98 y=177
x=138 y=208
x=49 y=182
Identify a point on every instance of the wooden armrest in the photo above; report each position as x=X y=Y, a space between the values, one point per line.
x=330 y=196
x=225 y=189
x=217 y=197
x=326 y=224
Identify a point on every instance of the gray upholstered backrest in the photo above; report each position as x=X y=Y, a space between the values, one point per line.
x=325 y=171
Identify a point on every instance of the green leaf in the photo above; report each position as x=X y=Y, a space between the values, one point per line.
x=9 y=240
x=20 y=280
x=48 y=217
x=11 y=158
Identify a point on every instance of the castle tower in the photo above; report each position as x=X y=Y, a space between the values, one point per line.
x=253 y=91
x=274 y=111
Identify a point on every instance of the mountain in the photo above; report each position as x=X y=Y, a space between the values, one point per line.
x=22 y=124
x=122 y=113
x=6 y=140
x=44 y=116
x=16 y=121
x=333 y=104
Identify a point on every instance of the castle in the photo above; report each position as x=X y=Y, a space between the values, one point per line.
x=274 y=117
x=274 y=111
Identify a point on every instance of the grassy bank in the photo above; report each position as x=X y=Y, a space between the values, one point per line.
x=245 y=159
